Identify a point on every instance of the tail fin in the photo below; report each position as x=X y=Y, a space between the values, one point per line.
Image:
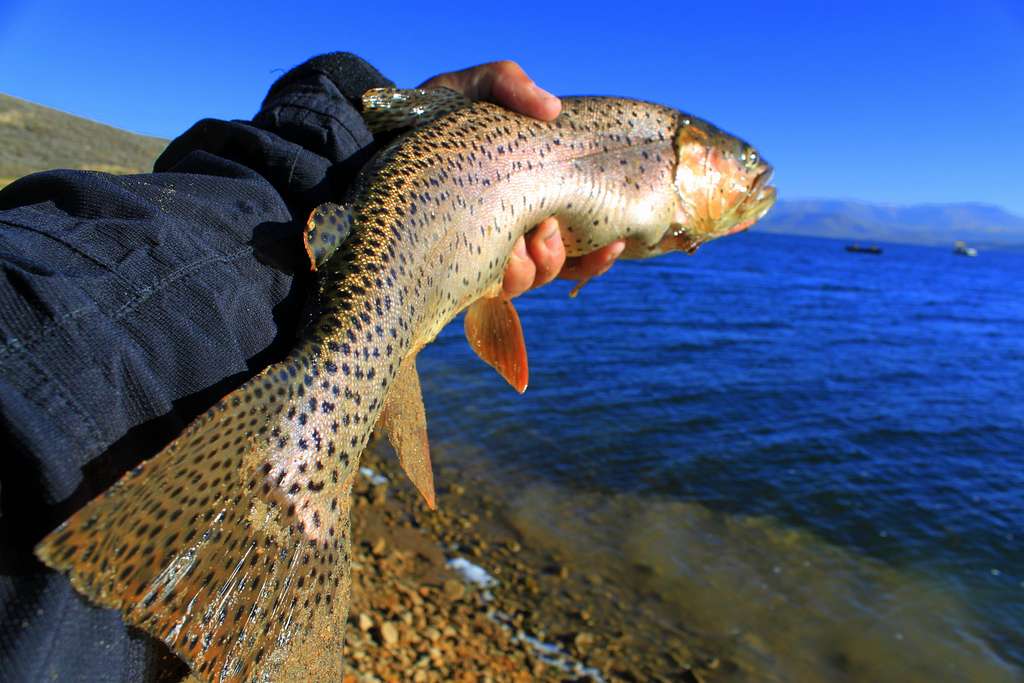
x=210 y=546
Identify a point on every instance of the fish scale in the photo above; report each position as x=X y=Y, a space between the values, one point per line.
x=232 y=545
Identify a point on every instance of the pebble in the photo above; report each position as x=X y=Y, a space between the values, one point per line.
x=365 y=622
x=454 y=590
x=388 y=633
x=583 y=641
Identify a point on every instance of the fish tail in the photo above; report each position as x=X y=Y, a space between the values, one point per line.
x=201 y=547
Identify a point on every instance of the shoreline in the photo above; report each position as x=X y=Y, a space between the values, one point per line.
x=539 y=617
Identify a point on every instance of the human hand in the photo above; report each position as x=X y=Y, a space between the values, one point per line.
x=539 y=256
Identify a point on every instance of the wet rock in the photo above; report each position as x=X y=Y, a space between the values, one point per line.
x=558 y=569
x=583 y=641
x=454 y=590
x=682 y=656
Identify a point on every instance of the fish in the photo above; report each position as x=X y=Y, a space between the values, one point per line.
x=232 y=545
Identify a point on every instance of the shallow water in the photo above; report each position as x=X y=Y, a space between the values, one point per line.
x=816 y=456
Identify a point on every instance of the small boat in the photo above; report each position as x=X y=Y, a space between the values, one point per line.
x=857 y=249
x=960 y=248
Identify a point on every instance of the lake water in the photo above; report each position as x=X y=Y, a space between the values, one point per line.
x=816 y=456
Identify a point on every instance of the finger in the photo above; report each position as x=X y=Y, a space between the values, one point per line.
x=593 y=264
x=544 y=244
x=504 y=83
x=513 y=89
x=520 y=271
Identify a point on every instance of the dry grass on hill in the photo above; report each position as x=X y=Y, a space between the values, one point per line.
x=36 y=138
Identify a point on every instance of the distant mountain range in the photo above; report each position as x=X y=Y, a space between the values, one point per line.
x=980 y=225
x=35 y=138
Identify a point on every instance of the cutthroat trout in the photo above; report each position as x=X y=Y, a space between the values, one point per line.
x=232 y=544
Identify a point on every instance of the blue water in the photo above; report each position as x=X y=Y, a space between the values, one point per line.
x=864 y=410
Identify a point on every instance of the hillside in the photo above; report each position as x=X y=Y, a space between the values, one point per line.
x=980 y=225
x=35 y=138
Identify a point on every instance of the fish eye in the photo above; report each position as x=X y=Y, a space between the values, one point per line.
x=750 y=157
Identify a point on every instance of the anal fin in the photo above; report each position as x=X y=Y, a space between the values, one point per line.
x=496 y=335
x=405 y=421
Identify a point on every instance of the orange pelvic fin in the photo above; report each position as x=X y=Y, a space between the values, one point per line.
x=405 y=421
x=495 y=333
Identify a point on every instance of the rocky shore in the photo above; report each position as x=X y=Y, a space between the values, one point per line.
x=453 y=595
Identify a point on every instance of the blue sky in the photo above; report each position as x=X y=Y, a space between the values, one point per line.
x=898 y=102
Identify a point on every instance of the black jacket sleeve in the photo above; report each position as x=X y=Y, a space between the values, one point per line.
x=128 y=305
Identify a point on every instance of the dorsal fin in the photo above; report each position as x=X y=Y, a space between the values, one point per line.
x=494 y=332
x=387 y=109
x=405 y=421
x=328 y=226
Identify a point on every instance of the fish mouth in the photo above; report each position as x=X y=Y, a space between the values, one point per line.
x=762 y=180
x=760 y=199
x=688 y=235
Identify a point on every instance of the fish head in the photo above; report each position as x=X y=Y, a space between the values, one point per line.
x=722 y=185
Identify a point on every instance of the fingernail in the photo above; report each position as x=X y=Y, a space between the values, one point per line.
x=551 y=234
x=519 y=250
x=616 y=249
x=544 y=93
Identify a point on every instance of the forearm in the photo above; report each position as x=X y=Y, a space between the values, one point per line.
x=127 y=298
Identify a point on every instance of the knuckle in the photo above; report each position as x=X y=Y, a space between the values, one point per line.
x=506 y=67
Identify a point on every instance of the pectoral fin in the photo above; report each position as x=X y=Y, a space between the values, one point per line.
x=405 y=421
x=328 y=226
x=387 y=109
x=579 y=285
x=494 y=332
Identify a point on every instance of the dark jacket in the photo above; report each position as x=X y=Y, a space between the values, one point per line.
x=130 y=304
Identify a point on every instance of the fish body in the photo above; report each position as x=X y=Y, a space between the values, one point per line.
x=232 y=544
